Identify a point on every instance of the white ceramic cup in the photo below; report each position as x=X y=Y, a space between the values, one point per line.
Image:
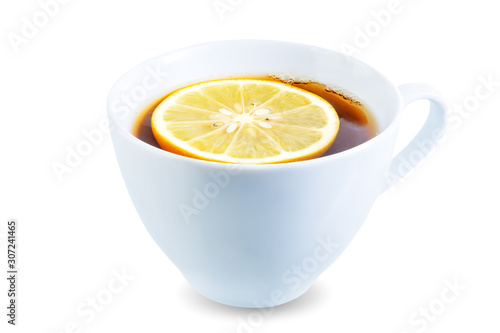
x=259 y=235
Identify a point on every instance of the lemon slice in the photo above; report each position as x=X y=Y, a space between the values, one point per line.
x=245 y=121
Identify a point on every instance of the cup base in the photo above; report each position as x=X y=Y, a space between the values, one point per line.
x=272 y=301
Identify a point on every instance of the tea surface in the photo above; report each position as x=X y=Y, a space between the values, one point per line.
x=357 y=124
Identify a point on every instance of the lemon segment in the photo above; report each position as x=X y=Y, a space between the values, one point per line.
x=245 y=121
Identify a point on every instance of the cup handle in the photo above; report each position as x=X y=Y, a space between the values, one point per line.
x=428 y=136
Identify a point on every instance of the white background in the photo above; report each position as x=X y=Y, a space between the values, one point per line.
x=440 y=224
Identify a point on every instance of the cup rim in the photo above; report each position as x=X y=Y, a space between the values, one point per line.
x=254 y=167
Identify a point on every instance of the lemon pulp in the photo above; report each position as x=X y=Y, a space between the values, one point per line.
x=245 y=121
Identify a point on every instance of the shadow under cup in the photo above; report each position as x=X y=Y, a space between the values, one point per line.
x=252 y=235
